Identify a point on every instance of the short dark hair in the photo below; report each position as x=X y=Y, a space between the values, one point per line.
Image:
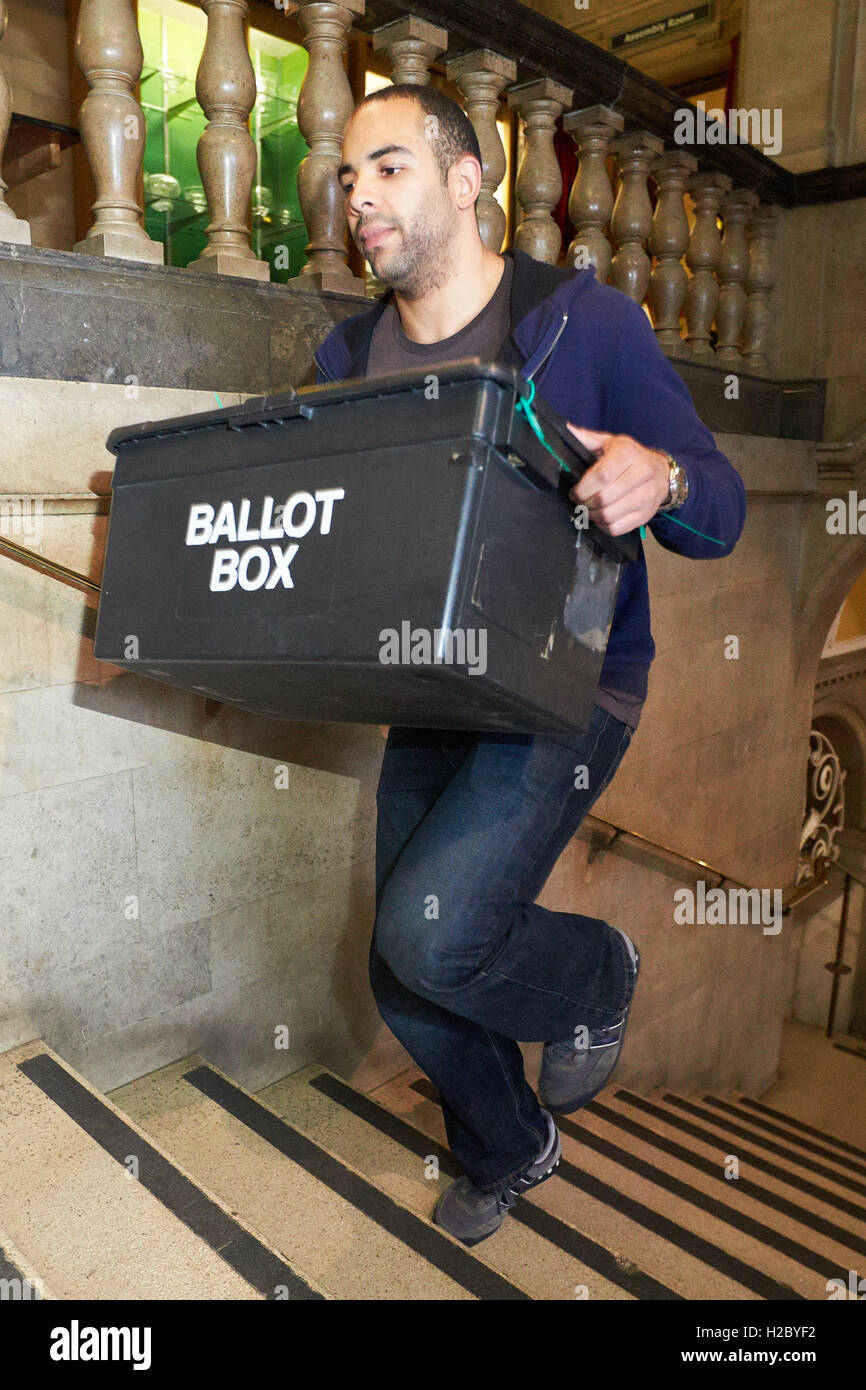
x=455 y=135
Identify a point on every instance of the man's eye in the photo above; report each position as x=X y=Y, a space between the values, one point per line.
x=391 y=169
x=347 y=187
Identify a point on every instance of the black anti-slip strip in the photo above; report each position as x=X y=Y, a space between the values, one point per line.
x=739 y=1220
x=417 y=1142
x=246 y=1255
x=759 y=1123
x=758 y=1162
x=802 y=1126
x=726 y=1127
x=432 y=1245
x=854 y=1051
x=713 y=1169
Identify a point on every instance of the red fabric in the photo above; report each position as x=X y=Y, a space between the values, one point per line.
x=731 y=85
x=565 y=150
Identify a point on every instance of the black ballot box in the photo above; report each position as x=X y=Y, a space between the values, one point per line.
x=396 y=550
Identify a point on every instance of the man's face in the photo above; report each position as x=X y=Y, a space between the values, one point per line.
x=399 y=212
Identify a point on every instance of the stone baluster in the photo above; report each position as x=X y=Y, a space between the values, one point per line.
x=12 y=228
x=109 y=53
x=762 y=229
x=702 y=258
x=324 y=106
x=226 y=89
x=538 y=186
x=411 y=44
x=668 y=243
x=632 y=212
x=737 y=208
x=590 y=202
x=481 y=76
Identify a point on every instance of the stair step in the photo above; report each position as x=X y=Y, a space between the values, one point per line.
x=799 y=1126
x=756 y=1219
x=549 y=1258
x=392 y=1132
x=356 y=1239
x=88 y=1228
x=814 y=1166
x=776 y=1167
x=759 y=1126
x=663 y=1200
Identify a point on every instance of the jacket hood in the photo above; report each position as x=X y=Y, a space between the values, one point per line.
x=540 y=295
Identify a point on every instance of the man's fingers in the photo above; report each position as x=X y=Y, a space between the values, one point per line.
x=628 y=521
x=613 y=463
x=631 y=480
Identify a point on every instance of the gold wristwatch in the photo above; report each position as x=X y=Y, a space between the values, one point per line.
x=678 y=490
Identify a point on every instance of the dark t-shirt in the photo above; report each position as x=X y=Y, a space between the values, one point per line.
x=391 y=350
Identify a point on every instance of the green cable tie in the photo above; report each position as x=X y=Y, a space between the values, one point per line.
x=525 y=405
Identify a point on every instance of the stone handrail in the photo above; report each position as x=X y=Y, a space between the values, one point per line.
x=689 y=228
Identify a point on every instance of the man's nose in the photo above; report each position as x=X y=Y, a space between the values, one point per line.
x=361 y=199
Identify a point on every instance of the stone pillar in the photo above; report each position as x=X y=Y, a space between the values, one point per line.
x=12 y=228
x=538 y=186
x=226 y=89
x=590 y=202
x=668 y=242
x=411 y=44
x=703 y=256
x=108 y=51
x=481 y=76
x=761 y=229
x=737 y=209
x=324 y=107
x=632 y=212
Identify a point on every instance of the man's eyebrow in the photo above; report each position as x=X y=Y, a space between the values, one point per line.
x=377 y=154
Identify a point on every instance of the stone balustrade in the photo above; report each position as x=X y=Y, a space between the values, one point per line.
x=659 y=223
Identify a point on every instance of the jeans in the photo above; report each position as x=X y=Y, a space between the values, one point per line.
x=463 y=962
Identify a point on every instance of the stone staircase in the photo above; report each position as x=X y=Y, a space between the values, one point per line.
x=182 y=1185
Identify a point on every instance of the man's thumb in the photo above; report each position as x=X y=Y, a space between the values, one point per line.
x=592 y=439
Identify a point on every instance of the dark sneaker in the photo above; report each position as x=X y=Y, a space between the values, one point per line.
x=472 y=1215
x=571 y=1076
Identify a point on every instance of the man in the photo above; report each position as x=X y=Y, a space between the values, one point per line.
x=479 y=819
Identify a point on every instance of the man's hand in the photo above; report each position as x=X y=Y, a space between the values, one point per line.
x=625 y=486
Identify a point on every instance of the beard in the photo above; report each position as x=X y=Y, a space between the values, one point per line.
x=425 y=257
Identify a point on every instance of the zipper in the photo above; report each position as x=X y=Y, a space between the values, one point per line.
x=550 y=349
x=322 y=367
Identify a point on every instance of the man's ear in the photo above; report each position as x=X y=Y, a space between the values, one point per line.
x=466 y=175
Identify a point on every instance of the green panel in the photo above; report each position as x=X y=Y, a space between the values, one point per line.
x=175 y=123
x=149 y=29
